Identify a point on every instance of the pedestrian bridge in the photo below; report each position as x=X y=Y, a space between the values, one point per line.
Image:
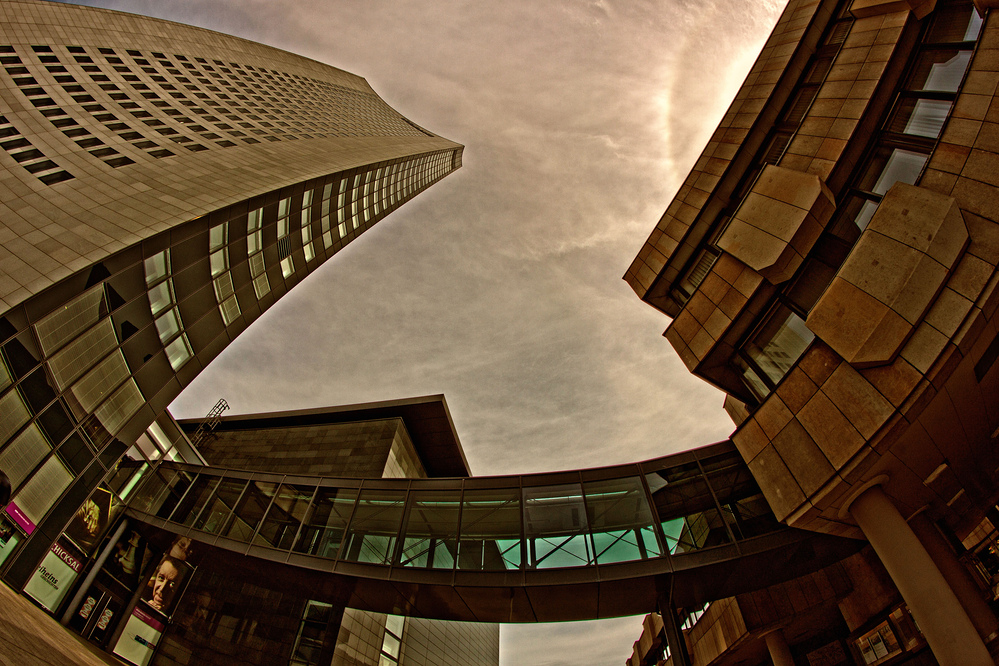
x=571 y=545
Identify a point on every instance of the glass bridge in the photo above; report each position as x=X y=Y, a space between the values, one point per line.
x=588 y=543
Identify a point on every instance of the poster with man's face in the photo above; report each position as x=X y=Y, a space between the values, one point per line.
x=165 y=583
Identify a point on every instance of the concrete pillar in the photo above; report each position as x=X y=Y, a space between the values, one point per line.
x=780 y=651
x=939 y=614
x=957 y=576
x=674 y=636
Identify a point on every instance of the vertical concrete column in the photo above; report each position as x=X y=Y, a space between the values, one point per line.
x=780 y=651
x=957 y=576
x=940 y=616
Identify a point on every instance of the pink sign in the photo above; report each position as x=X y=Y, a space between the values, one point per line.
x=14 y=511
x=148 y=618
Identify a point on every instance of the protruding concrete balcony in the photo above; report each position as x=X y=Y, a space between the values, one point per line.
x=892 y=277
x=778 y=222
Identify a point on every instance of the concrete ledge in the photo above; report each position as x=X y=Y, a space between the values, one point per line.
x=778 y=222
x=892 y=277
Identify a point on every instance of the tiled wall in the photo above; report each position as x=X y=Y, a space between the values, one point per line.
x=113 y=136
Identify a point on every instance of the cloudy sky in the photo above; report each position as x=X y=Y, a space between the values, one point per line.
x=501 y=286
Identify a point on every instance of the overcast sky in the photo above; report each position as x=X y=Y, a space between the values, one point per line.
x=501 y=287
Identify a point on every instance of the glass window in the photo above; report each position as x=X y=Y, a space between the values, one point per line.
x=19 y=458
x=281 y=524
x=70 y=320
x=620 y=520
x=779 y=343
x=555 y=527
x=743 y=504
x=430 y=539
x=216 y=514
x=42 y=490
x=939 y=70
x=179 y=352
x=374 y=528
x=326 y=522
x=250 y=510
x=686 y=509
x=218 y=236
x=194 y=501
x=920 y=117
x=168 y=325
x=892 y=165
x=157 y=267
x=219 y=261
x=311 y=634
x=490 y=530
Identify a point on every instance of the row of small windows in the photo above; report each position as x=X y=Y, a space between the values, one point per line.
x=359 y=200
x=296 y=105
x=166 y=314
x=29 y=157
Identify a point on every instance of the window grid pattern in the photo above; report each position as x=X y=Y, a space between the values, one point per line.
x=898 y=152
x=162 y=103
x=657 y=509
x=218 y=255
x=166 y=314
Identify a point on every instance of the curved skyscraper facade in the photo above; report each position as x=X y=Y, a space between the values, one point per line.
x=161 y=186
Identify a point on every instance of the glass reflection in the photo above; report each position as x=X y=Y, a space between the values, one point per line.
x=686 y=509
x=326 y=522
x=284 y=516
x=214 y=517
x=555 y=527
x=194 y=500
x=431 y=537
x=745 y=508
x=490 y=530
x=620 y=521
x=374 y=528
x=249 y=511
x=939 y=70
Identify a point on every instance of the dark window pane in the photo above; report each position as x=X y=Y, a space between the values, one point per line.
x=620 y=520
x=431 y=535
x=220 y=506
x=490 y=530
x=374 y=528
x=285 y=515
x=686 y=509
x=326 y=523
x=555 y=527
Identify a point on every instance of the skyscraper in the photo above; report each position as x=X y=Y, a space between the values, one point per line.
x=161 y=187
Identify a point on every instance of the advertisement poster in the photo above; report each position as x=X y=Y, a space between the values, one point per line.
x=55 y=575
x=90 y=520
x=139 y=639
x=126 y=559
x=162 y=589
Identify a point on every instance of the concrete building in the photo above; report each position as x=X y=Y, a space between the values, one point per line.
x=830 y=263
x=161 y=186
